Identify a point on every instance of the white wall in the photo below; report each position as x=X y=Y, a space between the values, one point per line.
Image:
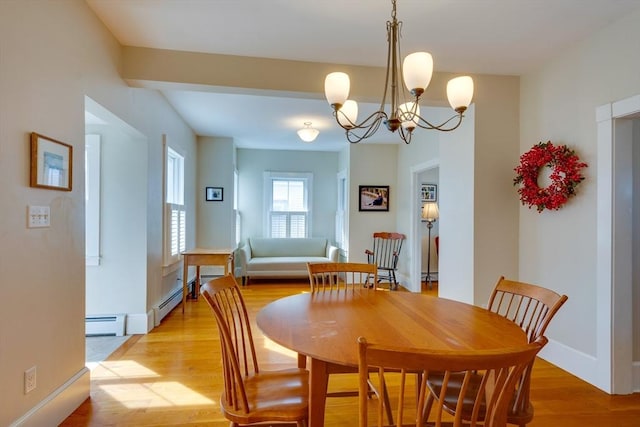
x=371 y=164
x=251 y=167
x=119 y=283
x=216 y=223
x=52 y=54
x=558 y=249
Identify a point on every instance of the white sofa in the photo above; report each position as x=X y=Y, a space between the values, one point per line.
x=273 y=257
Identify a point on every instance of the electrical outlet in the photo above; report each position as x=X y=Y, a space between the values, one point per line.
x=29 y=379
x=38 y=216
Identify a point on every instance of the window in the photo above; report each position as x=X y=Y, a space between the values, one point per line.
x=288 y=211
x=175 y=214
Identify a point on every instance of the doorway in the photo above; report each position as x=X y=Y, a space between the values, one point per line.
x=420 y=174
x=115 y=225
x=617 y=275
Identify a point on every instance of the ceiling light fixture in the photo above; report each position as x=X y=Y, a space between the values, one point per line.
x=417 y=70
x=307 y=133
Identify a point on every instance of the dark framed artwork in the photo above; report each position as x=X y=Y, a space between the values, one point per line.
x=51 y=163
x=373 y=198
x=213 y=194
x=429 y=193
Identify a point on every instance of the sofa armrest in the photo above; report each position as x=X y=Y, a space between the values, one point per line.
x=333 y=253
x=242 y=256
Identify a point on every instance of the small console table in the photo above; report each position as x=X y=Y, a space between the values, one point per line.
x=203 y=256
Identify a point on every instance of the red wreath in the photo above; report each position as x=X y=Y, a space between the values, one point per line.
x=565 y=176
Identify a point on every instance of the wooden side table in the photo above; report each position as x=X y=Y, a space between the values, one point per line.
x=204 y=256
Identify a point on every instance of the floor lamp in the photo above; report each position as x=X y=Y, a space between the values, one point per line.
x=430 y=215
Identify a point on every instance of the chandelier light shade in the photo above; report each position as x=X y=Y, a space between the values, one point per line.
x=307 y=133
x=404 y=115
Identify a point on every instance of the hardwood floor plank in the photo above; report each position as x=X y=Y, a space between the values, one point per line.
x=172 y=377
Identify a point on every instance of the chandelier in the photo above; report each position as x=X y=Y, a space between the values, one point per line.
x=404 y=117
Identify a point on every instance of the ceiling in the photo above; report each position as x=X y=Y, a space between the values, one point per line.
x=506 y=37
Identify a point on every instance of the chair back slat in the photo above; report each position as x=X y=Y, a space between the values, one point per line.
x=532 y=308
x=238 y=353
x=385 y=255
x=501 y=369
x=386 y=249
x=341 y=275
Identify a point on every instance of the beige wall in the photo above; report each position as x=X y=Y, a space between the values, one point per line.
x=558 y=249
x=52 y=54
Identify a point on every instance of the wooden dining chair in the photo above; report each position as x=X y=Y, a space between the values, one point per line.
x=532 y=308
x=252 y=396
x=337 y=277
x=385 y=254
x=327 y=276
x=500 y=371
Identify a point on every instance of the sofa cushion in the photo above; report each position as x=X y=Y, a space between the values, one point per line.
x=269 y=247
x=278 y=264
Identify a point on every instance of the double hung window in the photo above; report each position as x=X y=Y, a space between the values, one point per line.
x=175 y=214
x=288 y=211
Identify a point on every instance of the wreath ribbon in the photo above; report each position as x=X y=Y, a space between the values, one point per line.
x=565 y=176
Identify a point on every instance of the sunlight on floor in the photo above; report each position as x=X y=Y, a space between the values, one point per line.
x=155 y=395
x=277 y=348
x=121 y=369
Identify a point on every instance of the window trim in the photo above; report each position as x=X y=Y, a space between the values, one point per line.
x=269 y=177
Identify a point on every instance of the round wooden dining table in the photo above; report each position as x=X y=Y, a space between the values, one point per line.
x=325 y=327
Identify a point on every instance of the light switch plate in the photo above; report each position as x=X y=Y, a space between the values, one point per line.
x=38 y=216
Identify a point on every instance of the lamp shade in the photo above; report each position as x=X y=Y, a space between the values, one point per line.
x=336 y=88
x=308 y=134
x=408 y=114
x=417 y=70
x=460 y=92
x=430 y=211
x=348 y=114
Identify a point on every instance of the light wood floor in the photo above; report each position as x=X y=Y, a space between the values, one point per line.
x=171 y=377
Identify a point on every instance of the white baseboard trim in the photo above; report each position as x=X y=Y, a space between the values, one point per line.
x=582 y=365
x=636 y=377
x=139 y=323
x=57 y=406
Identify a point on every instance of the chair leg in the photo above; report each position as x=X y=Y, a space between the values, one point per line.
x=302 y=361
x=427 y=407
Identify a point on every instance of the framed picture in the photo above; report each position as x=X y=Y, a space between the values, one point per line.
x=429 y=192
x=51 y=163
x=213 y=194
x=374 y=197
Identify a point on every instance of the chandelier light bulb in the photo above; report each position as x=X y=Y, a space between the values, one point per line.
x=307 y=133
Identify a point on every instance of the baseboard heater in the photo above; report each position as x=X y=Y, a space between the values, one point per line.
x=174 y=298
x=106 y=325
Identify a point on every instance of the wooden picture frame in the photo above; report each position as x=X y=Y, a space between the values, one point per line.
x=429 y=193
x=214 y=194
x=51 y=163
x=373 y=198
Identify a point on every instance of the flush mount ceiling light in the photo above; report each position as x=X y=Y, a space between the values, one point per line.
x=307 y=133
x=416 y=70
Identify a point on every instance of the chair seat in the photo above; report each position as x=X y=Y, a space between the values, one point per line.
x=273 y=396
x=434 y=382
